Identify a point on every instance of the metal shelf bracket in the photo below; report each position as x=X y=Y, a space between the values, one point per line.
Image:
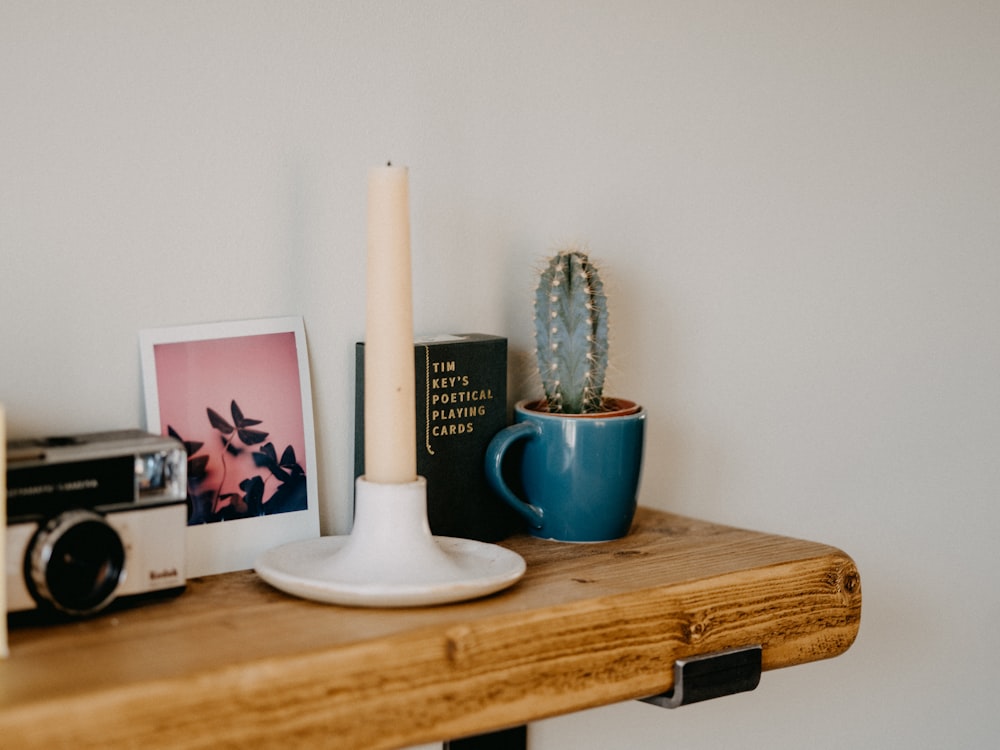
x=701 y=678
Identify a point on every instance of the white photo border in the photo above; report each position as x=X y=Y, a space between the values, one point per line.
x=234 y=545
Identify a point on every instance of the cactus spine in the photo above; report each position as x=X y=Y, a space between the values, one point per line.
x=571 y=333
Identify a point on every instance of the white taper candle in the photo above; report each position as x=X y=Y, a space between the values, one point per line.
x=390 y=406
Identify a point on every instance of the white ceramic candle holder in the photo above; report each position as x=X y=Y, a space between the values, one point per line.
x=390 y=558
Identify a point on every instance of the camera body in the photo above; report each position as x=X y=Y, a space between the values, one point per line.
x=94 y=519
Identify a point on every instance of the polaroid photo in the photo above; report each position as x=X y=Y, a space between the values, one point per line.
x=238 y=396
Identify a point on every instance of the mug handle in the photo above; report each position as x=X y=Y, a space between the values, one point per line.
x=494 y=469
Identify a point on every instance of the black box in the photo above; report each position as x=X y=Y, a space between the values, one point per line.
x=461 y=395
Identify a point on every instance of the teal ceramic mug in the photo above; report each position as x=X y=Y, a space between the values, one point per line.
x=578 y=473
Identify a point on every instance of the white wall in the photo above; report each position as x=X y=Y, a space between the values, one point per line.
x=796 y=203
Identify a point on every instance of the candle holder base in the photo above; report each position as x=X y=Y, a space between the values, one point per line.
x=390 y=558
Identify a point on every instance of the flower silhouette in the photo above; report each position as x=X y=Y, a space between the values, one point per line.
x=208 y=503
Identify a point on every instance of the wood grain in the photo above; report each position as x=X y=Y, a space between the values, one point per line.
x=234 y=662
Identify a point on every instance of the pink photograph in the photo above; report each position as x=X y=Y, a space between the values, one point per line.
x=237 y=396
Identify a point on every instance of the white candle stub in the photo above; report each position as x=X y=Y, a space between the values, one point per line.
x=390 y=403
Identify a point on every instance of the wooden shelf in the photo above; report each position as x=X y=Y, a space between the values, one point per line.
x=235 y=662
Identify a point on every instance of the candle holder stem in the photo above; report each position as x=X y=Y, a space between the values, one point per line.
x=391 y=541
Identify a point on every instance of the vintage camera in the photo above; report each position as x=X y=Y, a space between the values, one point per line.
x=94 y=519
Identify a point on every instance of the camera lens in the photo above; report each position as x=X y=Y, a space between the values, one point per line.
x=77 y=561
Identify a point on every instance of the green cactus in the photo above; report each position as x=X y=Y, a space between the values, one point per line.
x=571 y=333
